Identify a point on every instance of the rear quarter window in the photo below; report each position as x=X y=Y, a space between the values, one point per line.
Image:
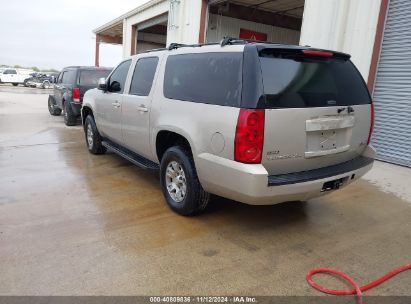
x=69 y=77
x=212 y=78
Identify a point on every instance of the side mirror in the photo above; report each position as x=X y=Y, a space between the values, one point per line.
x=102 y=84
x=115 y=86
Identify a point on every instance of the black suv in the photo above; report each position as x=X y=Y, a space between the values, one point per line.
x=69 y=90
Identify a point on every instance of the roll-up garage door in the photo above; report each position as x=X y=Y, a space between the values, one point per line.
x=392 y=92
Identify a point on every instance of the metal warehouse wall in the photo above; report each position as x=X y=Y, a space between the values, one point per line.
x=220 y=26
x=392 y=92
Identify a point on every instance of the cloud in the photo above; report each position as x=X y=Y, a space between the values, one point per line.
x=54 y=34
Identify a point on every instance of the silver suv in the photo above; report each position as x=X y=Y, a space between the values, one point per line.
x=254 y=122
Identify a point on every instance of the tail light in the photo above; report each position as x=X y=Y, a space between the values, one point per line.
x=249 y=136
x=318 y=53
x=76 y=94
x=372 y=123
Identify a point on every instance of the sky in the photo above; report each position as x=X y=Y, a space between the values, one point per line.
x=58 y=33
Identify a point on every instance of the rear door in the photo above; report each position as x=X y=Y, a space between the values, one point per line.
x=318 y=110
x=136 y=106
x=57 y=90
x=13 y=76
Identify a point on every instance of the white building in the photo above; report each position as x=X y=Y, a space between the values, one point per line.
x=374 y=32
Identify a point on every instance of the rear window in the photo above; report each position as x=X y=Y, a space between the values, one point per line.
x=294 y=81
x=91 y=77
x=212 y=78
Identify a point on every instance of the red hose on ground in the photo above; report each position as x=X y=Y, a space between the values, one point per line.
x=357 y=289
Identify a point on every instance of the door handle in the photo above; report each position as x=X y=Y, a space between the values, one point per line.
x=116 y=104
x=142 y=108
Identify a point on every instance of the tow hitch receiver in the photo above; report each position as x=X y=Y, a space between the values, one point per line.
x=334 y=184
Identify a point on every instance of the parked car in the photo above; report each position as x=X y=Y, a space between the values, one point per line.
x=12 y=76
x=259 y=123
x=39 y=80
x=69 y=90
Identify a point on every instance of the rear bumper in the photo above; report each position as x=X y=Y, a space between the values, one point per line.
x=317 y=174
x=76 y=107
x=251 y=184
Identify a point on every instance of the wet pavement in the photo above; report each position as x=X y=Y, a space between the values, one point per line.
x=72 y=223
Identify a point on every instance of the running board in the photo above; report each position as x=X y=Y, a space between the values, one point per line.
x=135 y=158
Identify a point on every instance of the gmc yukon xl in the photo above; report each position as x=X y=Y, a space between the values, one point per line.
x=259 y=123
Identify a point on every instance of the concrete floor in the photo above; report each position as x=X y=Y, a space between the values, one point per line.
x=72 y=223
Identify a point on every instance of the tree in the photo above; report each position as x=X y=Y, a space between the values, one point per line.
x=35 y=69
x=17 y=66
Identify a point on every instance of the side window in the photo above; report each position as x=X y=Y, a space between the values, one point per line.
x=60 y=79
x=118 y=77
x=13 y=72
x=143 y=76
x=69 y=77
x=212 y=78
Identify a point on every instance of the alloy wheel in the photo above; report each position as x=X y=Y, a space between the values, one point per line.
x=176 y=181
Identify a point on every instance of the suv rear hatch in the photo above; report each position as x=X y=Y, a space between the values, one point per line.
x=88 y=79
x=317 y=107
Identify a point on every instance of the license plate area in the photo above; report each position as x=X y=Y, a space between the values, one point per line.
x=334 y=184
x=328 y=135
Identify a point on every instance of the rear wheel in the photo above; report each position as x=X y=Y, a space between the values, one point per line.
x=69 y=118
x=180 y=185
x=53 y=109
x=93 y=138
x=15 y=84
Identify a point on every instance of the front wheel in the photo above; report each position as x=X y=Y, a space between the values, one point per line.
x=15 y=84
x=93 y=138
x=179 y=182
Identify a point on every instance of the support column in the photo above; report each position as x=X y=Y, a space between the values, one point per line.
x=201 y=35
x=97 y=55
x=133 y=50
x=377 y=45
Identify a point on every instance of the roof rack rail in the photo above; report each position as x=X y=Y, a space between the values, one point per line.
x=155 y=50
x=231 y=41
x=174 y=46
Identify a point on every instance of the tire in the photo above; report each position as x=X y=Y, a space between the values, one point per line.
x=53 y=109
x=93 y=138
x=46 y=85
x=69 y=118
x=179 y=161
x=15 y=84
x=25 y=83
